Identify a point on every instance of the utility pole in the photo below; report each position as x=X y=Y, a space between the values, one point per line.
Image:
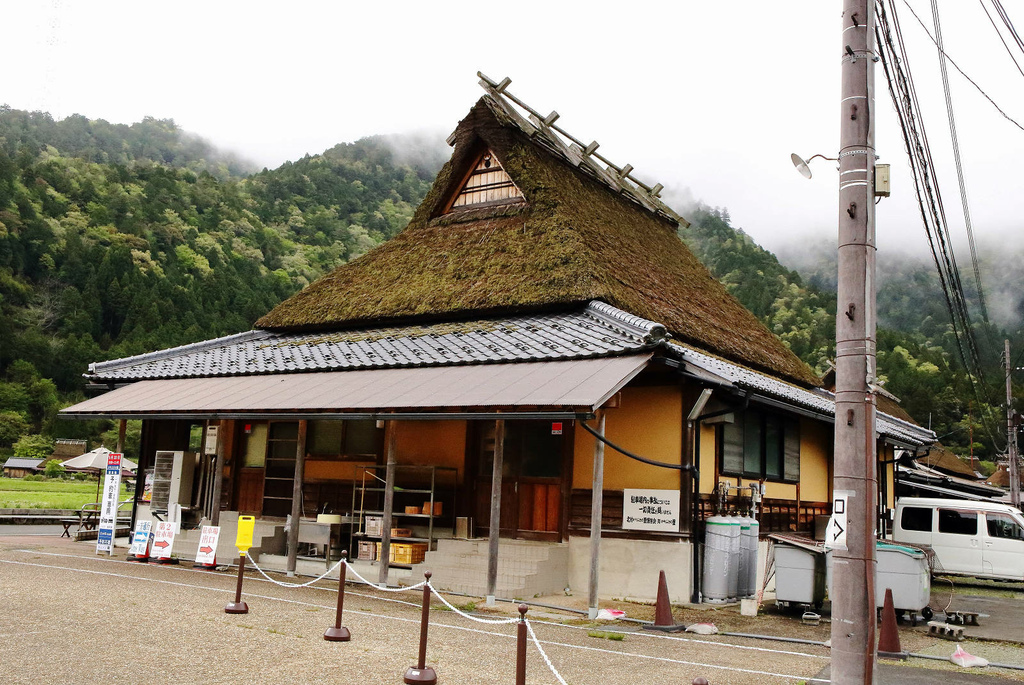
x=1011 y=434
x=855 y=483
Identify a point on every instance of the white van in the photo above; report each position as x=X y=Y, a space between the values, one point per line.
x=969 y=538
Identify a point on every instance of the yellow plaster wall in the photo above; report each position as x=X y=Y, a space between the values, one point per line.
x=647 y=422
x=333 y=469
x=816 y=440
x=441 y=443
x=708 y=455
x=888 y=453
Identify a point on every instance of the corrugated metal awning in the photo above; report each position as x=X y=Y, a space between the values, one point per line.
x=584 y=383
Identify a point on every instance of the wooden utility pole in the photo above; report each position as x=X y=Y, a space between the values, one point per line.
x=494 y=530
x=1011 y=434
x=855 y=485
x=300 y=474
x=596 y=515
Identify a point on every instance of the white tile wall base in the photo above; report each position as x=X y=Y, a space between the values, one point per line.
x=525 y=569
x=630 y=568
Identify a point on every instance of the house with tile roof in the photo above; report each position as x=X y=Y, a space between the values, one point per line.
x=536 y=364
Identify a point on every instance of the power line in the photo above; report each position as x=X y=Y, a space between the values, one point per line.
x=1006 y=20
x=1000 y=34
x=895 y=62
x=957 y=67
x=956 y=158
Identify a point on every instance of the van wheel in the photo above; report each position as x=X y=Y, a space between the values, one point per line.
x=927 y=613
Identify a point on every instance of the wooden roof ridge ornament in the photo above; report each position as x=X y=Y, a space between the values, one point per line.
x=576 y=152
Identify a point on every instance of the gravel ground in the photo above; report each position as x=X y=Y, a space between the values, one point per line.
x=69 y=616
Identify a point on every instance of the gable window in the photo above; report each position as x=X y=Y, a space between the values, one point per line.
x=761 y=445
x=487 y=183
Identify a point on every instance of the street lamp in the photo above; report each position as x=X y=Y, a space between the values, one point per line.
x=803 y=166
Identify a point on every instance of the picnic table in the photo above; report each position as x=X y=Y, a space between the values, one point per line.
x=88 y=519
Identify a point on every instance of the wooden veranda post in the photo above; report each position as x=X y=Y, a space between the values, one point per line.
x=596 y=512
x=389 y=501
x=300 y=469
x=495 y=527
x=218 y=475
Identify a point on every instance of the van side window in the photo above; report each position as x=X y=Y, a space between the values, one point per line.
x=958 y=522
x=1002 y=526
x=916 y=518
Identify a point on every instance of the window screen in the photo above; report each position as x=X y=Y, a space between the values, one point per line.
x=773 y=455
x=916 y=518
x=752 y=442
x=958 y=522
x=732 y=447
x=792 y=450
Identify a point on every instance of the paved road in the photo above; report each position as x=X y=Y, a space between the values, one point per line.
x=37 y=531
x=69 y=616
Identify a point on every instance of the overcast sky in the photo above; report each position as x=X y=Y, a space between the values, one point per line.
x=708 y=98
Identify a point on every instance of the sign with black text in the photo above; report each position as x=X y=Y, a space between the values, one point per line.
x=108 y=510
x=650 y=510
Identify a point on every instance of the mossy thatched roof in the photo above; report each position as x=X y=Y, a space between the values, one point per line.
x=573 y=240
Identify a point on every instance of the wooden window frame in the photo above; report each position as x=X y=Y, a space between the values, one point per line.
x=787 y=428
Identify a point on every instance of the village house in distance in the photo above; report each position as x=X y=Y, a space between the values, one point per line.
x=480 y=379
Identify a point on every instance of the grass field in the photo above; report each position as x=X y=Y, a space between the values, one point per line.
x=48 y=494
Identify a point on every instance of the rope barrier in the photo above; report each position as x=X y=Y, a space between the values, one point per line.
x=385 y=588
x=497 y=621
x=554 y=671
x=294 y=585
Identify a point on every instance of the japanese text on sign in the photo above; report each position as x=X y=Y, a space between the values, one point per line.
x=108 y=510
x=651 y=510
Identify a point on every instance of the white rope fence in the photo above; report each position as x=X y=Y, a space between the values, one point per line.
x=489 y=621
x=554 y=671
x=294 y=585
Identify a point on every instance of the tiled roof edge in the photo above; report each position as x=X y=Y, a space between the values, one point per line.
x=111 y=364
x=648 y=331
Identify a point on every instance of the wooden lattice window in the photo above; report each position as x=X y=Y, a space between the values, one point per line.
x=487 y=183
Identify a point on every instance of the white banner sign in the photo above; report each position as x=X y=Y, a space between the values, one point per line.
x=835 y=532
x=207 y=552
x=108 y=512
x=140 y=540
x=651 y=510
x=163 y=539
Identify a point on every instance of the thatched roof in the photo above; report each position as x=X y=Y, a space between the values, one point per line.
x=574 y=239
x=940 y=458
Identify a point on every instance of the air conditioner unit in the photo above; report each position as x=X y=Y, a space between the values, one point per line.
x=173 y=473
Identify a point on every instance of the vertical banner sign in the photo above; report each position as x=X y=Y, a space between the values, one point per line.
x=163 y=539
x=140 y=541
x=108 y=512
x=207 y=552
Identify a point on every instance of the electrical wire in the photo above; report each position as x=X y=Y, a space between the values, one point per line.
x=957 y=161
x=895 y=62
x=1001 y=39
x=1009 y=25
x=962 y=72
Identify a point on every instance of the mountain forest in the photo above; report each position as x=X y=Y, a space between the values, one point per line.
x=121 y=239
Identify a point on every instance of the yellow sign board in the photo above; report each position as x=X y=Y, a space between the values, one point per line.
x=243 y=541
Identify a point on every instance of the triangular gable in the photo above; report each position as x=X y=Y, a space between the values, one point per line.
x=486 y=183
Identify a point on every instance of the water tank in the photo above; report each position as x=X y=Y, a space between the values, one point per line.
x=735 y=536
x=750 y=532
x=718 y=558
x=743 y=567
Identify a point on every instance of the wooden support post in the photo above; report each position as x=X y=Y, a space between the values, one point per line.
x=300 y=469
x=218 y=471
x=121 y=430
x=596 y=512
x=495 y=527
x=389 y=501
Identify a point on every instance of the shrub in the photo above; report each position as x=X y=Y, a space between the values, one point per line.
x=33 y=447
x=54 y=469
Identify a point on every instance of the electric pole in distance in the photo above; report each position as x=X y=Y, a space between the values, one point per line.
x=1011 y=433
x=855 y=484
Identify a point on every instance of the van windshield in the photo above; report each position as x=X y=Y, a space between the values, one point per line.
x=1003 y=526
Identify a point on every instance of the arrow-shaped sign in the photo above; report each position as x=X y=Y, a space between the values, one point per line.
x=163 y=544
x=838 y=531
x=206 y=550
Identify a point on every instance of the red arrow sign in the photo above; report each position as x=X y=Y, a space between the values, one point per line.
x=162 y=544
x=206 y=550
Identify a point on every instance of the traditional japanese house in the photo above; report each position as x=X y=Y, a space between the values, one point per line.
x=478 y=381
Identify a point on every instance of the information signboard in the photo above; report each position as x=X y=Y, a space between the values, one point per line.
x=835 y=531
x=108 y=510
x=650 y=510
x=163 y=539
x=207 y=552
x=140 y=540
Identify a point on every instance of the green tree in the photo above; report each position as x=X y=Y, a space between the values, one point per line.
x=12 y=426
x=54 y=469
x=33 y=447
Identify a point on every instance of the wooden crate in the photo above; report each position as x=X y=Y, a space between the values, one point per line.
x=367 y=551
x=401 y=532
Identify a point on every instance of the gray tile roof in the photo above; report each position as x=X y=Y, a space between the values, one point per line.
x=596 y=330
x=818 y=400
x=16 y=463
